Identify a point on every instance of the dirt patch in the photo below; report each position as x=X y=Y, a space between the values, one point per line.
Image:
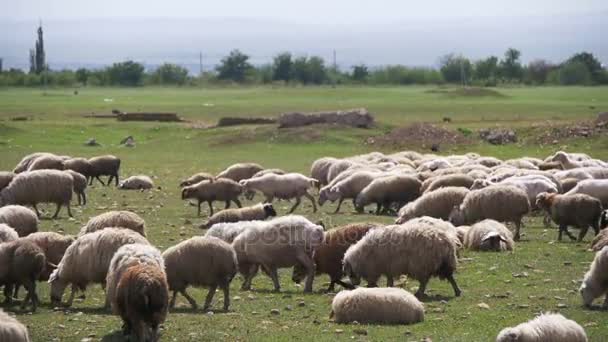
x=423 y=135
x=235 y=121
x=549 y=133
x=270 y=134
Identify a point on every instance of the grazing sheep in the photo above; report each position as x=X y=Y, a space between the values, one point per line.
x=24 y=164
x=597 y=188
x=281 y=242
x=337 y=167
x=107 y=165
x=53 y=245
x=240 y=171
x=87 y=260
x=595 y=283
x=488 y=235
x=328 y=256
x=488 y=161
x=47 y=162
x=115 y=218
x=288 y=186
x=5 y=178
x=80 y=165
x=532 y=185
x=349 y=187
x=521 y=163
x=137 y=290
x=139 y=182
x=438 y=204
x=21 y=219
x=201 y=261
x=418 y=249
x=259 y=211
x=319 y=170
x=547 y=327
x=568 y=164
x=7 y=234
x=40 y=186
x=229 y=231
x=80 y=185
x=267 y=171
x=195 y=178
x=578 y=174
x=11 y=330
x=600 y=240
x=568 y=184
x=382 y=305
x=387 y=190
x=221 y=189
x=502 y=203
x=581 y=211
x=21 y=262
x=456 y=180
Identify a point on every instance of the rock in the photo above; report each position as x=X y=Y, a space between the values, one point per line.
x=562 y=305
x=360 y=332
x=498 y=136
x=91 y=142
x=483 y=306
x=301 y=303
x=339 y=331
x=275 y=312
x=128 y=141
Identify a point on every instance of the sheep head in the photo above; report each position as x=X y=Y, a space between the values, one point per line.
x=479 y=184
x=561 y=157
x=544 y=200
x=187 y=192
x=589 y=292
x=508 y=335
x=347 y=269
x=269 y=210
x=58 y=286
x=491 y=241
x=456 y=216
x=604 y=219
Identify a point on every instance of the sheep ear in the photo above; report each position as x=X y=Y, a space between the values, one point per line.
x=54 y=276
x=243 y=182
x=502 y=238
x=320 y=223
x=51 y=265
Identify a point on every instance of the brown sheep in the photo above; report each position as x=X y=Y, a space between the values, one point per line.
x=221 y=189
x=195 y=178
x=578 y=210
x=107 y=165
x=21 y=262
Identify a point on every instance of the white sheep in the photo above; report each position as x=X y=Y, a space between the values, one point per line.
x=347 y=188
x=287 y=186
x=532 y=185
x=139 y=182
x=115 y=218
x=546 y=327
x=387 y=190
x=11 y=330
x=438 y=204
x=488 y=235
x=201 y=261
x=597 y=188
x=24 y=164
x=47 y=162
x=595 y=283
x=229 y=231
x=281 y=242
x=385 y=305
x=7 y=234
x=240 y=171
x=40 y=186
x=87 y=260
x=22 y=219
x=417 y=249
x=5 y=178
x=320 y=169
x=260 y=211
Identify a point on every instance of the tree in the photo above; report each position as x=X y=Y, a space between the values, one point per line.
x=170 y=74
x=127 y=73
x=300 y=70
x=82 y=75
x=455 y=69
x=282 y=67
x=234 y=67
x=573 y=73
x=38 y=55
x=486 y=69
x=510 y=67
x=317 y=70
x=1 y=65
x=593 y=65
x=360 y=73
x=538 y=70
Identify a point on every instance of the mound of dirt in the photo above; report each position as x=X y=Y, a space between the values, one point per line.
x=422 y=135
x=359 y=117
x=552 y=134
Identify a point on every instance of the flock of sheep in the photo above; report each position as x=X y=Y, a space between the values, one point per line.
x=443 y=204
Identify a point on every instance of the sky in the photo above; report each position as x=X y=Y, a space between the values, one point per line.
x=414 y=33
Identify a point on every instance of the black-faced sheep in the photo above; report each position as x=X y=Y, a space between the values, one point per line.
x=221 y=189
x=115 y=218
x=11 y=330
x=21 y=262
x=328 y=256
x=200 y=261
x=595 y=283
x=438 y=204
x=107 y=165
x=546 y=327
x=240 y=171
x=40 y=186
x=488 y=235
x=382 y=305
x=259 y=211
x=288 y=186
x=580 y=211
x=140 y=182
x=385 y=191
x=21 y=219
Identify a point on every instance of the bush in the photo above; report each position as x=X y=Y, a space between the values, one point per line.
x=169 y=74
x=127 y=73
x=574 y=73
x=453 y=67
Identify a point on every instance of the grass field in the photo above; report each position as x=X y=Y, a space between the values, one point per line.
x=541 y=274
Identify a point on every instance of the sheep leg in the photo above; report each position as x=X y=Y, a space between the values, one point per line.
x=272 y=273
x=188 y=298
x=457 y=291
x=582 y=234
x=378 y=207
x=72 y=295
x=226 y=289
x=209 y=298
x=564 y=228
x=547 y=220
x=248 y=271
x=596 y=227
x=298 y=201
x=517 y=228
x=36 y=210
x=8 y=294
x=100 y=181
x=420 y=293
x=306 y=261
x=69 y=209
x=84 y=198
x=16 y=293
x=227 y=205
x=389 y=280
x=605 y=305
x=339 y=205
x=238 y=203
x=210 y=208
x=30 y=286
x=173 y=298
x=115 y=180
x=312 y=200
x=57 y=211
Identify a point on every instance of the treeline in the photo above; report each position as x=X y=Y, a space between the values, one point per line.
x=580 y=69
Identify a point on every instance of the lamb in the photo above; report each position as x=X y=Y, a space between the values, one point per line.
x=464 y=181
x=24 y=164
x=139 y=182
x=229 y=231
x=80 y=165
x=377 y=305
x=240 y=171
x=7 y=234
x=40 y=186
x=597 y=188
x=438 y=204
x=137 y=290
x=80 y=185
x=201 y=261
x=579 y=210
x=349 y=187
x=115 y=218
x=319 y=170
x=87 y=260
x=195 y=178
x=21 y=263
x=22 y=219
x=488 y=235
x=546 y=327
x=502 y=203
x=387 y=190
x=47 y=162
x=259 y=211
x=328 y=256
x=53 y=245
x=5 y=178
x=12 y=330
x=221 y=189
x=417 y=248
x=288 y=186
x=107 y=165
x=281 y=242
x=595 y=283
